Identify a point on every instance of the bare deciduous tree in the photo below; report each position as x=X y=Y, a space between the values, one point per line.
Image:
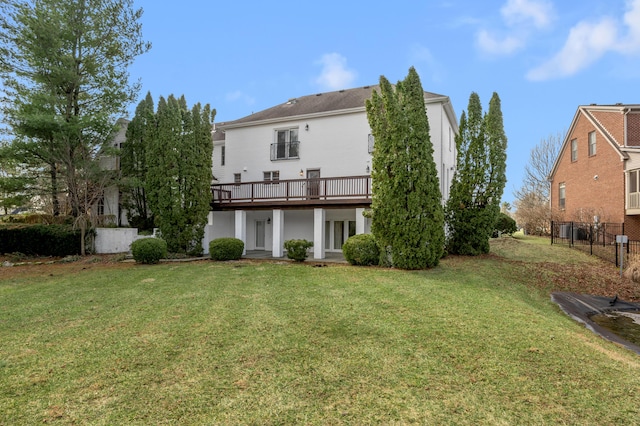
x=532 y=199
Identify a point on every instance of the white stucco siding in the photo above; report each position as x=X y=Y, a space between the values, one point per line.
x=217 y=167
x=298 y=225
x=337 y=145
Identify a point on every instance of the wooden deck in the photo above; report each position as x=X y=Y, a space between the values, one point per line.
x=327 y=191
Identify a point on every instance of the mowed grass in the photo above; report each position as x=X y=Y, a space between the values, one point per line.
x=468 y=342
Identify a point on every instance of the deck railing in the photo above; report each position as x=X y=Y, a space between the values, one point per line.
x=312 y=189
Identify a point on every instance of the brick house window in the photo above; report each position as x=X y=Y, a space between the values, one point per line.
x=592 y=144
x=574 y=150
x=561 y=196
x=633 y=190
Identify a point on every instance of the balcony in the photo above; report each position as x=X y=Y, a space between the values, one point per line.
x=285 y=150
x=313 y=192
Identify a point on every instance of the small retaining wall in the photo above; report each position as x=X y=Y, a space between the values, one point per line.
x=115 y=240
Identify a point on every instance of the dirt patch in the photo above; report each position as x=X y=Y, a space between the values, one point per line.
x=49 y=266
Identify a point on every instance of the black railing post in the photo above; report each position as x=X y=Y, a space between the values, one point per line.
x=571 y=230
x=590 y=239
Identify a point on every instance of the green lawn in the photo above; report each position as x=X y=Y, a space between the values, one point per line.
x=469 y=342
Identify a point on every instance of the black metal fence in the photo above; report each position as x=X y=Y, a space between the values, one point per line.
x=598 y=239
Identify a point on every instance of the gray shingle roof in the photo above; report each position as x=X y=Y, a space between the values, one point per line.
x=318 y=103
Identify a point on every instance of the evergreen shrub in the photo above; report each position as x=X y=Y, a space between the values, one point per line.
x=149 y=250
x=226 y=249
x=297 y=249
x=361 y=250
x=40 y=240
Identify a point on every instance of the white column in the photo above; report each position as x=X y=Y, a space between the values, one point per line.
x=278 y=233
x=360 y=221
x=210 y=219
x=318 y=233
x=241 y=228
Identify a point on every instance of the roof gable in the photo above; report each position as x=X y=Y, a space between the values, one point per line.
x=608 y=121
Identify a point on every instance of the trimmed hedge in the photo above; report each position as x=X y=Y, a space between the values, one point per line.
x=40 y=240
x=297 y=249
x=226 y=249
x=361 y=250
x=149 y=250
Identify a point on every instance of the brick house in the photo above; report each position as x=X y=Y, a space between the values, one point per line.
x=596 y=176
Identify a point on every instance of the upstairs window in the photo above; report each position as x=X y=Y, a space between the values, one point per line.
x=222 y=155
x=287 y=145
x=561 y=196
x=574 y=150
x=371 y=141
x=633 y=190
x=592 y=144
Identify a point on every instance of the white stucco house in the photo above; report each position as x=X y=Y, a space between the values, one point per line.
x=301 y=170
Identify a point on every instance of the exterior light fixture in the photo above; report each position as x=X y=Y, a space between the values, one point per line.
x=268 y=221
x=301 y=172
x=368 y=169
x=306 y=127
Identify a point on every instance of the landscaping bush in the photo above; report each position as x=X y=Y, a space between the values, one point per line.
x=149 y=250
x=297 y=249
x=226 y=249
x=505 y=224
x=361 y=250
x=40 y=240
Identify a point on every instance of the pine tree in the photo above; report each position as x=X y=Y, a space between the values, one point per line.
x=408 y=219
x=478 y=184
x=64 y=74
x=133 y=165
x=178 y=178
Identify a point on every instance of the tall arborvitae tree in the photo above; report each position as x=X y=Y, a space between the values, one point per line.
x=408 y=219
x=65 y=79
x=178 y=179
x=133 y=165
x=478 y=184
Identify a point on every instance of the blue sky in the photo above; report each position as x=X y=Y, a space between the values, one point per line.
x=543 y=57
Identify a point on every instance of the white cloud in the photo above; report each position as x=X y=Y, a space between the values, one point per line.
x=422 y=55
x=335 y=74
x=517 y=12
x=521 y=16
x=589 y=41
x=490 y=44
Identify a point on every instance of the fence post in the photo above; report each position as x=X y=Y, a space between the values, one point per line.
x=552 y=231
x=571 y=234
x=591 y=239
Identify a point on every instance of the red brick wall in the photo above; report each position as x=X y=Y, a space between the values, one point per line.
x=633 y=129
x=585 y=196
x=613 y=121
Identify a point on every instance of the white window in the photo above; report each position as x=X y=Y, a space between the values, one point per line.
x=574 y=150
x=592 y=143
x=371 y=141
x=237 y=178
x=561 y=196
x=222 y=155
x=633 y=192
x=287 y=145
x=273 y=176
